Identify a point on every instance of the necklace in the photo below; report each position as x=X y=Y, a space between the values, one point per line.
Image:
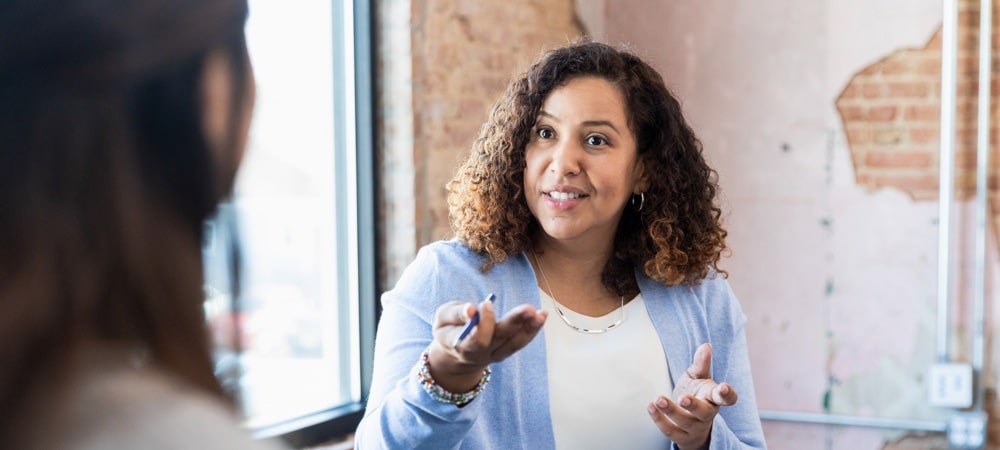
x=562 y=315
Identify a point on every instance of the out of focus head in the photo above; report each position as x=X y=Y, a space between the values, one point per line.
x=122 y=125
x=85 y=81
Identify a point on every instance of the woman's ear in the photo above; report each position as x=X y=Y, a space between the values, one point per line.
x=642 y=177
x=216 y=98
x=226 y=130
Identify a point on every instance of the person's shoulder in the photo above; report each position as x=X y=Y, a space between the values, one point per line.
x=449 y=253
x=450 y=248
x=711 y=292
x=715 y=283
x=142 y=408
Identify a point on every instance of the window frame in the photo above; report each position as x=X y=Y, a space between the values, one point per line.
x=355 y=187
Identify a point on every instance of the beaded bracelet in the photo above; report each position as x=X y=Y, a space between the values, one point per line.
x=439 y=393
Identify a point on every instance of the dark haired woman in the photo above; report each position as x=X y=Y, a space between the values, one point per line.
x=122 y=126
x=587 y=209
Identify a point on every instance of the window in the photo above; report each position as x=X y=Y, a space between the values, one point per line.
x=293 y=338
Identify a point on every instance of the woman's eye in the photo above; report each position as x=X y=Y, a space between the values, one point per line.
x=545 y=133
x=596 y=141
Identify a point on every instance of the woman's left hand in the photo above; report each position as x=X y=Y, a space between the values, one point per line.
x=687 y=420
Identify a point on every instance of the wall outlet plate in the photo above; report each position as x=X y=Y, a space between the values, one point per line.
x=967 y=430
x=950 y=385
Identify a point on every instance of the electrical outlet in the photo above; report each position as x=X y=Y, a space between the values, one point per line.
x=967 y=430
x=951 y=385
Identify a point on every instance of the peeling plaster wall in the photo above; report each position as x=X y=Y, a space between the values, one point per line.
x=837 y=275
x=838 y=279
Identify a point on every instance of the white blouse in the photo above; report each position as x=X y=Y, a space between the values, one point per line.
x=600 y=384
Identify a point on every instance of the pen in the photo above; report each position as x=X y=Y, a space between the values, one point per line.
x=471 y=324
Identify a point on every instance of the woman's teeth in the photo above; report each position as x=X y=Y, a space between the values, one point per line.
x=560 y=196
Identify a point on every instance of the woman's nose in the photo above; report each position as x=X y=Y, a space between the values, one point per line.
x=566 y=158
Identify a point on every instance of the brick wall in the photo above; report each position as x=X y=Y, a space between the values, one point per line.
x=394 y=138
x=464 y=54
x=891 y=114
x=444 y=63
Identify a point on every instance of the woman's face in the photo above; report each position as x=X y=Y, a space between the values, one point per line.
x=581 y=162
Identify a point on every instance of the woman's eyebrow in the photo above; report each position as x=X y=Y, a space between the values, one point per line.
x=588 y=123
x=597 y=123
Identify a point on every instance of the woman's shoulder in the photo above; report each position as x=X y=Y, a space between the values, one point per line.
x=449 y=270
x=713 y=285
x=708 y=303
x=450 y=248
x=712 y=292
x=143 y=408
x=456 y=258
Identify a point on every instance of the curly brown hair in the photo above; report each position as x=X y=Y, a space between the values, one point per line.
x=676 y=236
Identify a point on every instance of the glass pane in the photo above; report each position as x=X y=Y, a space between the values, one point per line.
x=283 y=212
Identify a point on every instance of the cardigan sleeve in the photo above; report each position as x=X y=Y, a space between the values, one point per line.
x=399 y=414
x=737 y=426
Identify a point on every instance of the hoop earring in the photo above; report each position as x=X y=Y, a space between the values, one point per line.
x=642 y=201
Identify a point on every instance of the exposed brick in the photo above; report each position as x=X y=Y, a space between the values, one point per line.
x=909 y=89
x=852 y=113
x=873 y=90
x=473 y=108
x=895 y=67
x=930 y=65
x=464 y=52
x=888 y=136
x=899 y=159
x=935 y=42
x=922 y=113
x=897 y=100
x=859 y=135
x=924 y=135
x=882 y=113
x=965 y=159
x=850 y=91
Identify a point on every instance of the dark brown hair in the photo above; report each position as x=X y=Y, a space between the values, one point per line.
x=105 y=179
x=675 y=238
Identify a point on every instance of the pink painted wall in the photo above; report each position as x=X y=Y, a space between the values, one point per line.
x=839 y=282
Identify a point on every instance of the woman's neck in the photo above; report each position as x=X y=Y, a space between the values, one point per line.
x=573 y=276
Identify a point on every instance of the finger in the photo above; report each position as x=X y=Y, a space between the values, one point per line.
x=659 y=410
x=678 y=414
x=517 y=330
x=701 y=366
x=483 y=333
x=724 y=395
x=701 y=410
x=453 y=313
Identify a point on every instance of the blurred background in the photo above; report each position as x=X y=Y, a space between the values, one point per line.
x=869 y=300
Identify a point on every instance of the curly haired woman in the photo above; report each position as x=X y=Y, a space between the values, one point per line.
x=588 y=211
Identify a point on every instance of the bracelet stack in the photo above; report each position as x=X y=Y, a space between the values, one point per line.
x=439 y=393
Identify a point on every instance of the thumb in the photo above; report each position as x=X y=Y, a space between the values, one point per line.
x=701 y=366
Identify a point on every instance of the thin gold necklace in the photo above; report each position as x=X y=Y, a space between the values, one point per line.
x=555 y=303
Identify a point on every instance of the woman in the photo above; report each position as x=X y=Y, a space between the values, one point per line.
x=587 y=209
x=123 y=125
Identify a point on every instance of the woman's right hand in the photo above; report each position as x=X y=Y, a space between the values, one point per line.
x=459 y=368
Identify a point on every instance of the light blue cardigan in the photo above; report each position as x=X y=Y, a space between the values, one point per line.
x=513 y=410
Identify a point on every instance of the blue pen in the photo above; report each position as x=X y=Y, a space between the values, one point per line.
x=471 y=324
